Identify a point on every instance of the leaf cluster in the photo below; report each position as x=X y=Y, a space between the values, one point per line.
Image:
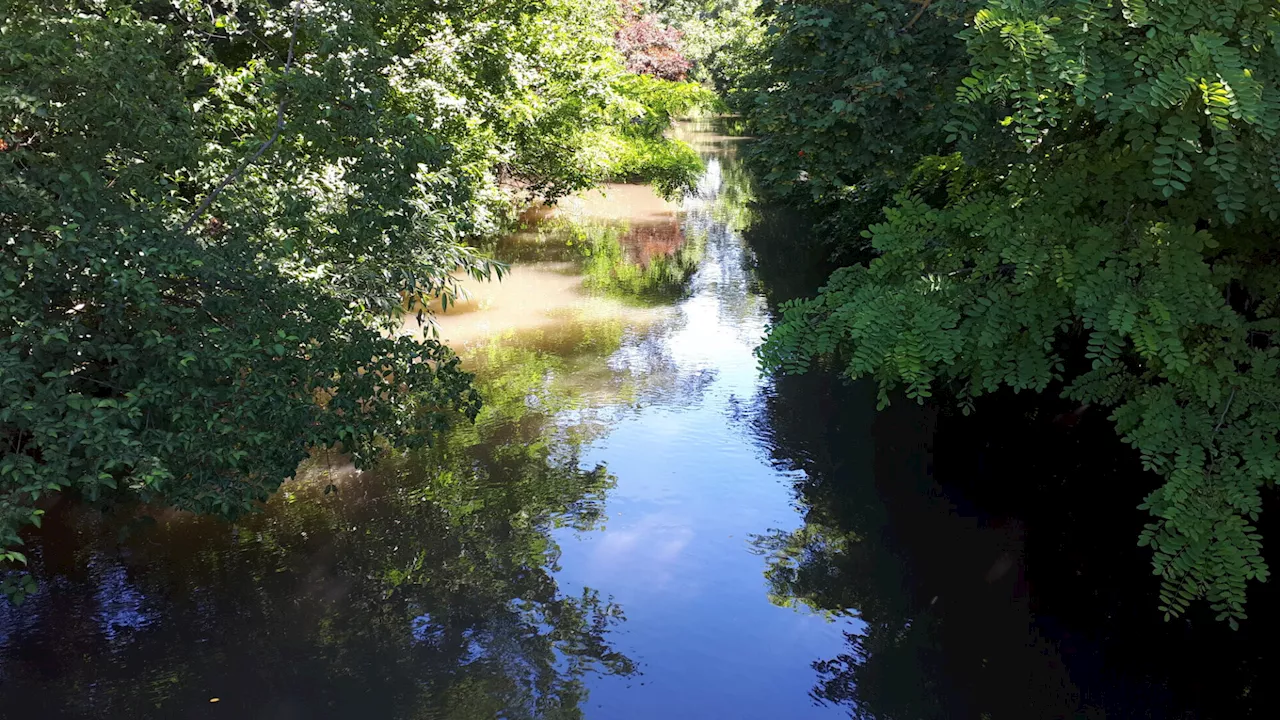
x=1091 y=207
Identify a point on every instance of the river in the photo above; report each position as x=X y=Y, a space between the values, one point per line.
x=640 y=525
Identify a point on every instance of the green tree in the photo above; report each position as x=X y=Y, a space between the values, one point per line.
x=721 y=38
x=636 y=143
x=1096 y=217
x=210 y=211
x=851 y=94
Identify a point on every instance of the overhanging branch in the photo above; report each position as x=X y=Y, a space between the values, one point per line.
x=288 y=66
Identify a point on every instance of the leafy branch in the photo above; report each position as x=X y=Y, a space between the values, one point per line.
x=266 y=144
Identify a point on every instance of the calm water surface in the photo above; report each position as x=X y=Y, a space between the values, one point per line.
x=638 y=526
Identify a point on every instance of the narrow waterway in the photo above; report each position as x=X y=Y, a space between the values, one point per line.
x=638 y=526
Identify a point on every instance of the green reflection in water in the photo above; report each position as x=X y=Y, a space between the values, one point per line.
x=947 y=630
x=649 y=263
x=424 y=588
x=645 y=262
x=648 y=259
x=736 y=205
x=840 y=563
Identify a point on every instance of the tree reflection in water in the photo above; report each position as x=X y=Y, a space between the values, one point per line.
x=646 y=261
x=999 y=593
x=983 y=577
x=422 y=589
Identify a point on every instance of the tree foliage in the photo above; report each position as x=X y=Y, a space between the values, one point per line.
x=850 y=98
x=648 y=45
x=1092 y=210
x=720 y=38
x=210 y=211
x=637 y=144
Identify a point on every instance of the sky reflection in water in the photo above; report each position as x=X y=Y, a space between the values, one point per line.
x=585 y=548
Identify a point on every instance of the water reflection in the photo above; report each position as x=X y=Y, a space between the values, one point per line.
x=618 y=256
x=423 y=589
x=988 y=563
x=939 y=635
x=456 y=582
x=780 y=549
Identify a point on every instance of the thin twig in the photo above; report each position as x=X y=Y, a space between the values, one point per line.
x=1213 y=464
x=1224 y=411
x=923 y=7
x=288 y=65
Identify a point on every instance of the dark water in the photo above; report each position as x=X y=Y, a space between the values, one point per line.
x=640 y=526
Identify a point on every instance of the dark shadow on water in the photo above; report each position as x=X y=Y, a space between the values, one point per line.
x=992 y=558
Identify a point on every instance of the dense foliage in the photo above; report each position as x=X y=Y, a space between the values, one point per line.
x=652 y=95
x=637 y=146
x=721 y=39
x=1092 y=208
x=649 y=46
x=210 y=212
x=852 y=97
